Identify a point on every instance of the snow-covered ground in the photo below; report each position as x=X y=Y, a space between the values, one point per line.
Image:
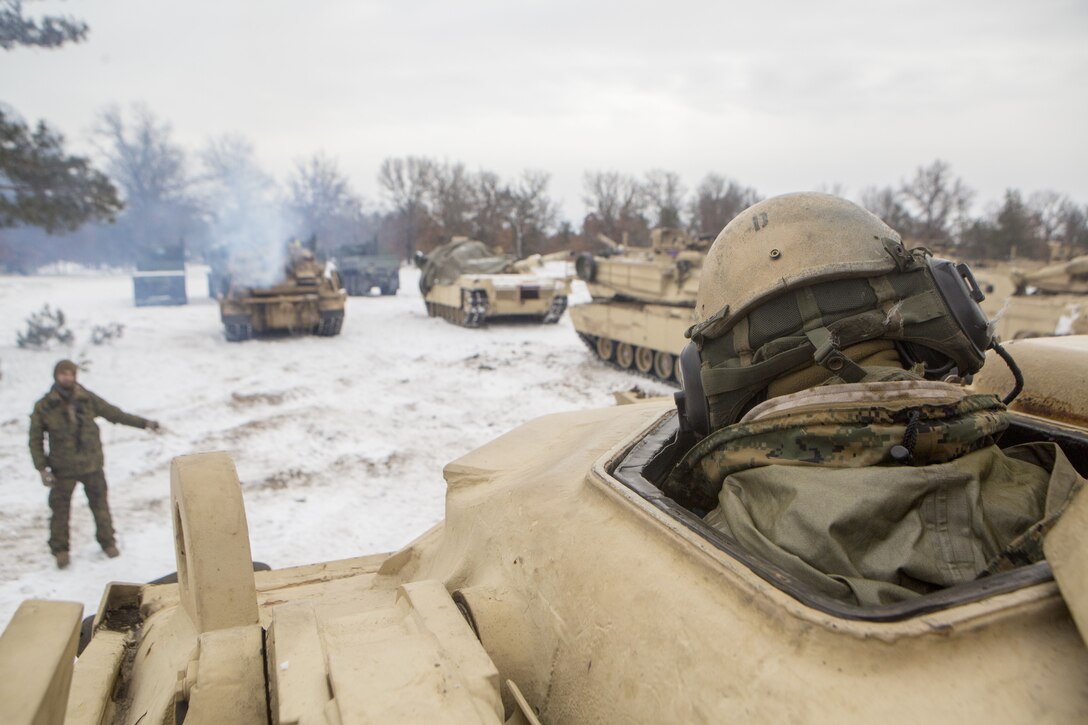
x=339 y=442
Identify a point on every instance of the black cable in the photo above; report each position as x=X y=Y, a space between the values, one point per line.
x=1017 y=376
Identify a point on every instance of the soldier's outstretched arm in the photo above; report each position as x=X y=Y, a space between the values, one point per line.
x=37 y=439
x=114 y=414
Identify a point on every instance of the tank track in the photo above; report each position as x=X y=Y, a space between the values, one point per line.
x=555 y=310
x=590 y=342
x=471 y=313
x=330 y=324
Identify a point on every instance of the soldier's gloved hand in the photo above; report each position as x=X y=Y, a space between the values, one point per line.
x=48 y=479
x=153 y=426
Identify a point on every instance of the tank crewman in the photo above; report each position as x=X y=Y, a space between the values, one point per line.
x=829 y=444
x=66 y=415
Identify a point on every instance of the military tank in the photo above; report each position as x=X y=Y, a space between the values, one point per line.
x=362 y=268
x=308 y=300
x=643 y=301
x=1052 y=300
x=588 y=596
x=466 y=283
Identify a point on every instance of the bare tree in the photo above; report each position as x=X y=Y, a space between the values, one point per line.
x=325 y=204
x=1074 y=227
x=532 y=213
x=153 y=175
x=490 y=221
x=405 y=183
x=240 y=198
x=884 y=202
x=1050 y=209
x=665 y=194
x=717 y=200
x=936 y=201
x=452 y=199
x=616 y=206
x=835 y=188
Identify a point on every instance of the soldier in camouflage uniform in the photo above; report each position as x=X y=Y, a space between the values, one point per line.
x=66 y=415
x=830 y=447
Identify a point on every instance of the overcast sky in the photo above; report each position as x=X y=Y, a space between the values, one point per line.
x=782 y=95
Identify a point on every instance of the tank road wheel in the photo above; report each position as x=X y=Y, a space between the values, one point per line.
x=644 y=360
x=625 y=355
x=664 y=365
x=605 y=348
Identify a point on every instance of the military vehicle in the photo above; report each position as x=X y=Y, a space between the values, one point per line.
x=308 y=300
x=1052 y=300
x=362 y=268
x=160 y=276
x=218 y=259
x=468 y=284
x=643 y=301
x=564 y=586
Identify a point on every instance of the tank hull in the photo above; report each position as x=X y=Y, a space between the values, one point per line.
x=643 y=302
x=583 y=599
x=473 y=300
x=653 y=332
x=302 y=305
x=1043 y=316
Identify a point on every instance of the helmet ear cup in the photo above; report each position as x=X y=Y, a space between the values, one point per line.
x=691 y=402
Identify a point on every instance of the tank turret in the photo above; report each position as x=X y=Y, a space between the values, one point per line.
x=643 y=299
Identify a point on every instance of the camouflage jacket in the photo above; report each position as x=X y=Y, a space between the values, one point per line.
x=809 y=483
x=75 y=447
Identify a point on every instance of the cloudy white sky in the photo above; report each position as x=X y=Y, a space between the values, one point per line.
x=782 y=95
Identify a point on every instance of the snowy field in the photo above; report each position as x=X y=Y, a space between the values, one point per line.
x=339 y=442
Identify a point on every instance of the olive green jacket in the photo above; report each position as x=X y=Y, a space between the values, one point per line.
x=810 y=484
x=75 y=447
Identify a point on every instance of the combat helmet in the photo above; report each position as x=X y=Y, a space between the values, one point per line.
x=794 y=280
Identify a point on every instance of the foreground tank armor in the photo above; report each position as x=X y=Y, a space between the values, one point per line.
x=307 y=301
x=588 y=597
x=643 y=300
x=467 y=284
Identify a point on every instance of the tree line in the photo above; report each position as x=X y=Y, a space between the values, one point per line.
x=153 y=192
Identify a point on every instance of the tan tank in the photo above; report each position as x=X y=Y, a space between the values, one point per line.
x=562 y=587
x=643 y=301
x=1052 y=300
x=308 y=300
x=466 y=283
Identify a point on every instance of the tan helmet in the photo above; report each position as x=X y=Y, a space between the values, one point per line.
x=790 y=241
x=795 y=280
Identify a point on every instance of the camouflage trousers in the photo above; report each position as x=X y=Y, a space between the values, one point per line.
x=60 y=501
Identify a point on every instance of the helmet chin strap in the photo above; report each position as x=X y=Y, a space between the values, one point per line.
x=828 y=356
